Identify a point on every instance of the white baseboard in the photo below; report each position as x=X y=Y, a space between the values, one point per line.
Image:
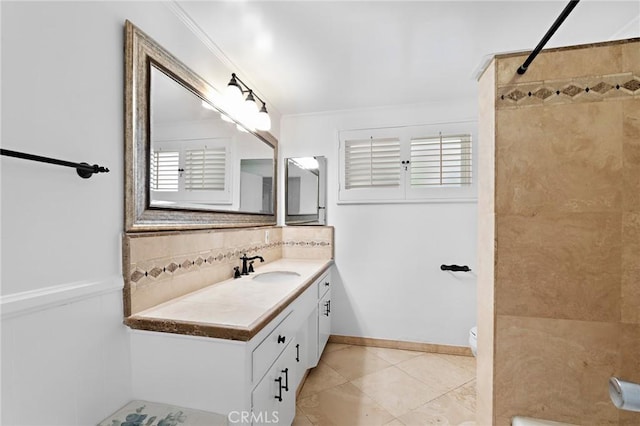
x=26 y=302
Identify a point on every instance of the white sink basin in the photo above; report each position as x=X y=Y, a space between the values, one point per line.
x=276 y=276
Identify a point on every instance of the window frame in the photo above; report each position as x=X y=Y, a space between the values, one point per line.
x=404 y=193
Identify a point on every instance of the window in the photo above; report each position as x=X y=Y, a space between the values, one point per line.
x=195 y=171
x=441 y=161
x=164 y=170
x=407 y=164
x=372 y=163
x=205 y=169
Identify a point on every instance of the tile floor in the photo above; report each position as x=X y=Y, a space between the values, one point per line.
x=357 y=385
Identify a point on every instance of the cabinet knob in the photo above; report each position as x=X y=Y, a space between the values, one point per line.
x=281 y=338
x=326 y=283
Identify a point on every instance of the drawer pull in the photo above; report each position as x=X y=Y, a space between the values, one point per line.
x=327 y=306
x=326 y=283
x=279 y=395
x=281 y=338
x=298 y=352
x=286 y=379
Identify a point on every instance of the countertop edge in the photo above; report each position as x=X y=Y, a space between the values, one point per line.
x=223 y=331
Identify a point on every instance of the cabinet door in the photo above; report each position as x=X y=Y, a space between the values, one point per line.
x=324 y=321
x=312 y=338
x=273 y=400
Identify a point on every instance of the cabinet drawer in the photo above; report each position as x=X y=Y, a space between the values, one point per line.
x=270 y=348
x=323 y=284
x=273 y=401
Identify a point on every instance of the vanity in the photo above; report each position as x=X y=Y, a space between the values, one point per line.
x=200 y=199
x=243 y=345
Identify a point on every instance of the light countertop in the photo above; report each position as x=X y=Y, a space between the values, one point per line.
x=233 y=309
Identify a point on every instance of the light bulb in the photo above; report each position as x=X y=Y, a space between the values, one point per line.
x=233 y=92
x=263 y=121
x=250 y=108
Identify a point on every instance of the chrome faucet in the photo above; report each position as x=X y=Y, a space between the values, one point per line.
x=244 y=258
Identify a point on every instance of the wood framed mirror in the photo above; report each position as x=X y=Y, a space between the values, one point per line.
x=188 y=164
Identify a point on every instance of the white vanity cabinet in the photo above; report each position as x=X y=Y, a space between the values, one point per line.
x=253 y=382
x=324 y=311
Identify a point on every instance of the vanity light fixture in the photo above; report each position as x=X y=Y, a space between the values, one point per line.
x=246 y=111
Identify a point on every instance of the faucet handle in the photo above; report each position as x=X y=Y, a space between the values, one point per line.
x=236 y=272
x=251 y=266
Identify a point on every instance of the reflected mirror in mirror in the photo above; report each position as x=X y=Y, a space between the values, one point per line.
x=256 y=185
x=200 y=161
x=305 y=191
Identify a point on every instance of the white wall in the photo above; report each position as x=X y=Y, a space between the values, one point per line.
x=65 y=352
x=388 y=256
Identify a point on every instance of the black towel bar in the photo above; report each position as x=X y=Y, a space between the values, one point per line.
x=455 y=268
x=84 y=170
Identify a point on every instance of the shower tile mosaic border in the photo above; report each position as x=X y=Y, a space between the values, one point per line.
x=567 y=91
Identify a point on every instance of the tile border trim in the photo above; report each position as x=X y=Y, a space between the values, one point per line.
x=570 y=90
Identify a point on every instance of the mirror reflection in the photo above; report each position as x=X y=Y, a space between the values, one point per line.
x=305 y=191
x=198 y=160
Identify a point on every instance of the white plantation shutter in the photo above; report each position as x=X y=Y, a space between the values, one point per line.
x=441 y=161
x=407 y=164
x=165 y=170
x=372 y=163
x=205 y=169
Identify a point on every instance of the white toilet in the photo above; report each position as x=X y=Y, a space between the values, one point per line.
x=473 y=340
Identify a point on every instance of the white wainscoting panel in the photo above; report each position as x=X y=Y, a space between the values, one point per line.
x=65 y=354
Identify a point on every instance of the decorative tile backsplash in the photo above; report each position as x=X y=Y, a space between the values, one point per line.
x=583 y=89
x=161 y=266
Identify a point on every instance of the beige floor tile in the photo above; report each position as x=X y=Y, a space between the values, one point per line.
x=300 y=419
x=436 y=372
x=392 y=356
x=396 y=391
x=354 y=362
x=442 y=411
x=320 y=378
x=465 y=395
x=343 y=405
x=467 y=363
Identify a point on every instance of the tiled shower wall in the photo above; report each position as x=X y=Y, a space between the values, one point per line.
x=161 y=266
x=563 y=281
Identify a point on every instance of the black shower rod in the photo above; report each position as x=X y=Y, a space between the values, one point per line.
x=84 y=170
x=563 y=15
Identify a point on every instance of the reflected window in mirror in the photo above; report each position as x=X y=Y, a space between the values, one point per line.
x=305 y=191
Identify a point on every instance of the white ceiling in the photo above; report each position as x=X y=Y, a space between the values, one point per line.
x=313 y=56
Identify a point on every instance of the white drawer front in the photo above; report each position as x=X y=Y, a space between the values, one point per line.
x=270 y=348
x=323 y=284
